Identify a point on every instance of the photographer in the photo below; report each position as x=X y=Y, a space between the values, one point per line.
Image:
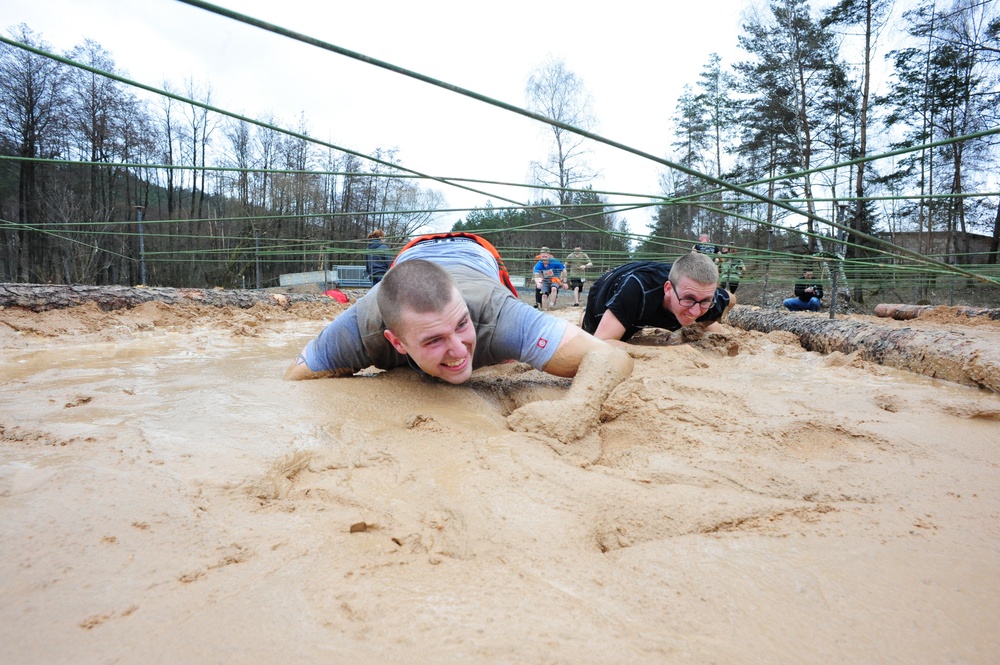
x=808 y=294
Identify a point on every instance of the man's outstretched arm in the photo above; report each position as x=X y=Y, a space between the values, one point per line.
x=299 y=370
x=716 y=326
x=596 y=367
x=571 y=358
x=610 y=328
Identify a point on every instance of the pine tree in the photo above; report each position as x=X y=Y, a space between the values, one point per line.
x=792 y=58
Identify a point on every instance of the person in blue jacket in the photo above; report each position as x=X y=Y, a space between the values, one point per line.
x=548 y=277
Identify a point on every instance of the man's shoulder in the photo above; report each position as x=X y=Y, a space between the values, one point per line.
x=656 y=269
x=642 y=271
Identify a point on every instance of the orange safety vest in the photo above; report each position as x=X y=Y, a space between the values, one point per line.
x=503 y=274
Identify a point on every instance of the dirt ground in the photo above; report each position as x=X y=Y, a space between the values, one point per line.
x=166 y=497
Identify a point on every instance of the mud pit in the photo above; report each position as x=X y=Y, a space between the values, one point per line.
x=165 y=497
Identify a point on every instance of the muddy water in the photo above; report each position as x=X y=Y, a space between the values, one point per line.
x=167 y=498
x=183 y=396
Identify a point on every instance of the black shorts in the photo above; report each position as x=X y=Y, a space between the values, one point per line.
x=576 y=283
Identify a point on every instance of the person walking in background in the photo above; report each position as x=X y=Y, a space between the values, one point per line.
x=704 y=245
x=808 y=294
x=548 y=278
x=377 y=257
x=731 y=269
x=544 y=251
x=577 y=265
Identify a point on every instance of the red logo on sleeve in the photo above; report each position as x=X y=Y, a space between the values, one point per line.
x=542 y=342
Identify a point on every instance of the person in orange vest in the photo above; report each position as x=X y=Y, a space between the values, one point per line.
x=548 y=279
x=538 y=287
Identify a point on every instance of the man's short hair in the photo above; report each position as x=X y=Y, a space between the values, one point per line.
x=698 y=268
x=417 y=285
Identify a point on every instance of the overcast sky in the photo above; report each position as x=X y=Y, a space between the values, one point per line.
x=634 y=57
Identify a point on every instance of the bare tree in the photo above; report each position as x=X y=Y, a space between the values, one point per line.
x=32 y=122
x=239 y=156
x=557 y=93
x=199 y=134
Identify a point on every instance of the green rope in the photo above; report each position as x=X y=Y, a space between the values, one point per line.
x=899 y=197
x=859 y=160
x=270 y=27
x=259 y=123
x=679 y=167
x=320 y=172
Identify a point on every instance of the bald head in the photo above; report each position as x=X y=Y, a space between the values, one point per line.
x=416 y=285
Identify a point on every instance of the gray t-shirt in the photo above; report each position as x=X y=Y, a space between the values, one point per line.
x=506 y=328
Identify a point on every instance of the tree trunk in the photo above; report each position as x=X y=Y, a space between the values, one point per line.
x=937 y=353
x=43 y=297
x=907 y=312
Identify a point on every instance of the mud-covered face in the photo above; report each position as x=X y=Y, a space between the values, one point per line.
x=687 y=300
x=441 y=343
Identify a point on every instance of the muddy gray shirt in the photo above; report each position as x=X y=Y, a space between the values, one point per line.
x=506 y=328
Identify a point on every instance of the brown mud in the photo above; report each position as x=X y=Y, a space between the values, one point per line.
x=166 y=497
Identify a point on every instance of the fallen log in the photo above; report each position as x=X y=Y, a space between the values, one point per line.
x=907 y=312
x=43 y=297
x=943 y=354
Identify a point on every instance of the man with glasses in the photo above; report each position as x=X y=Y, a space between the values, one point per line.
x=656 y=295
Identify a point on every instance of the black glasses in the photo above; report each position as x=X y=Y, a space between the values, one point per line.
x=688 y=303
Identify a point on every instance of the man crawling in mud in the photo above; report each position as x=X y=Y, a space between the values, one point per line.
x=444 y=309
x=644 y=294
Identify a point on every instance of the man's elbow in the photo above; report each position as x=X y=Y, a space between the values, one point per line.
x=298 y=371
x=623 y=360
x=609 y=335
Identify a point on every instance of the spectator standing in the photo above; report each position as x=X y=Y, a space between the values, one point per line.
x=548 y=278
x=731 y=269
x=704 y=245
x=544 y=251
x=378 y=258
x=577 y=265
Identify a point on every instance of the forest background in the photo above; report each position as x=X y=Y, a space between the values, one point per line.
x=786 y=155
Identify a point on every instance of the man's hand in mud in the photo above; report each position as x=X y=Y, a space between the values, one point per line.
x=557 y=419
